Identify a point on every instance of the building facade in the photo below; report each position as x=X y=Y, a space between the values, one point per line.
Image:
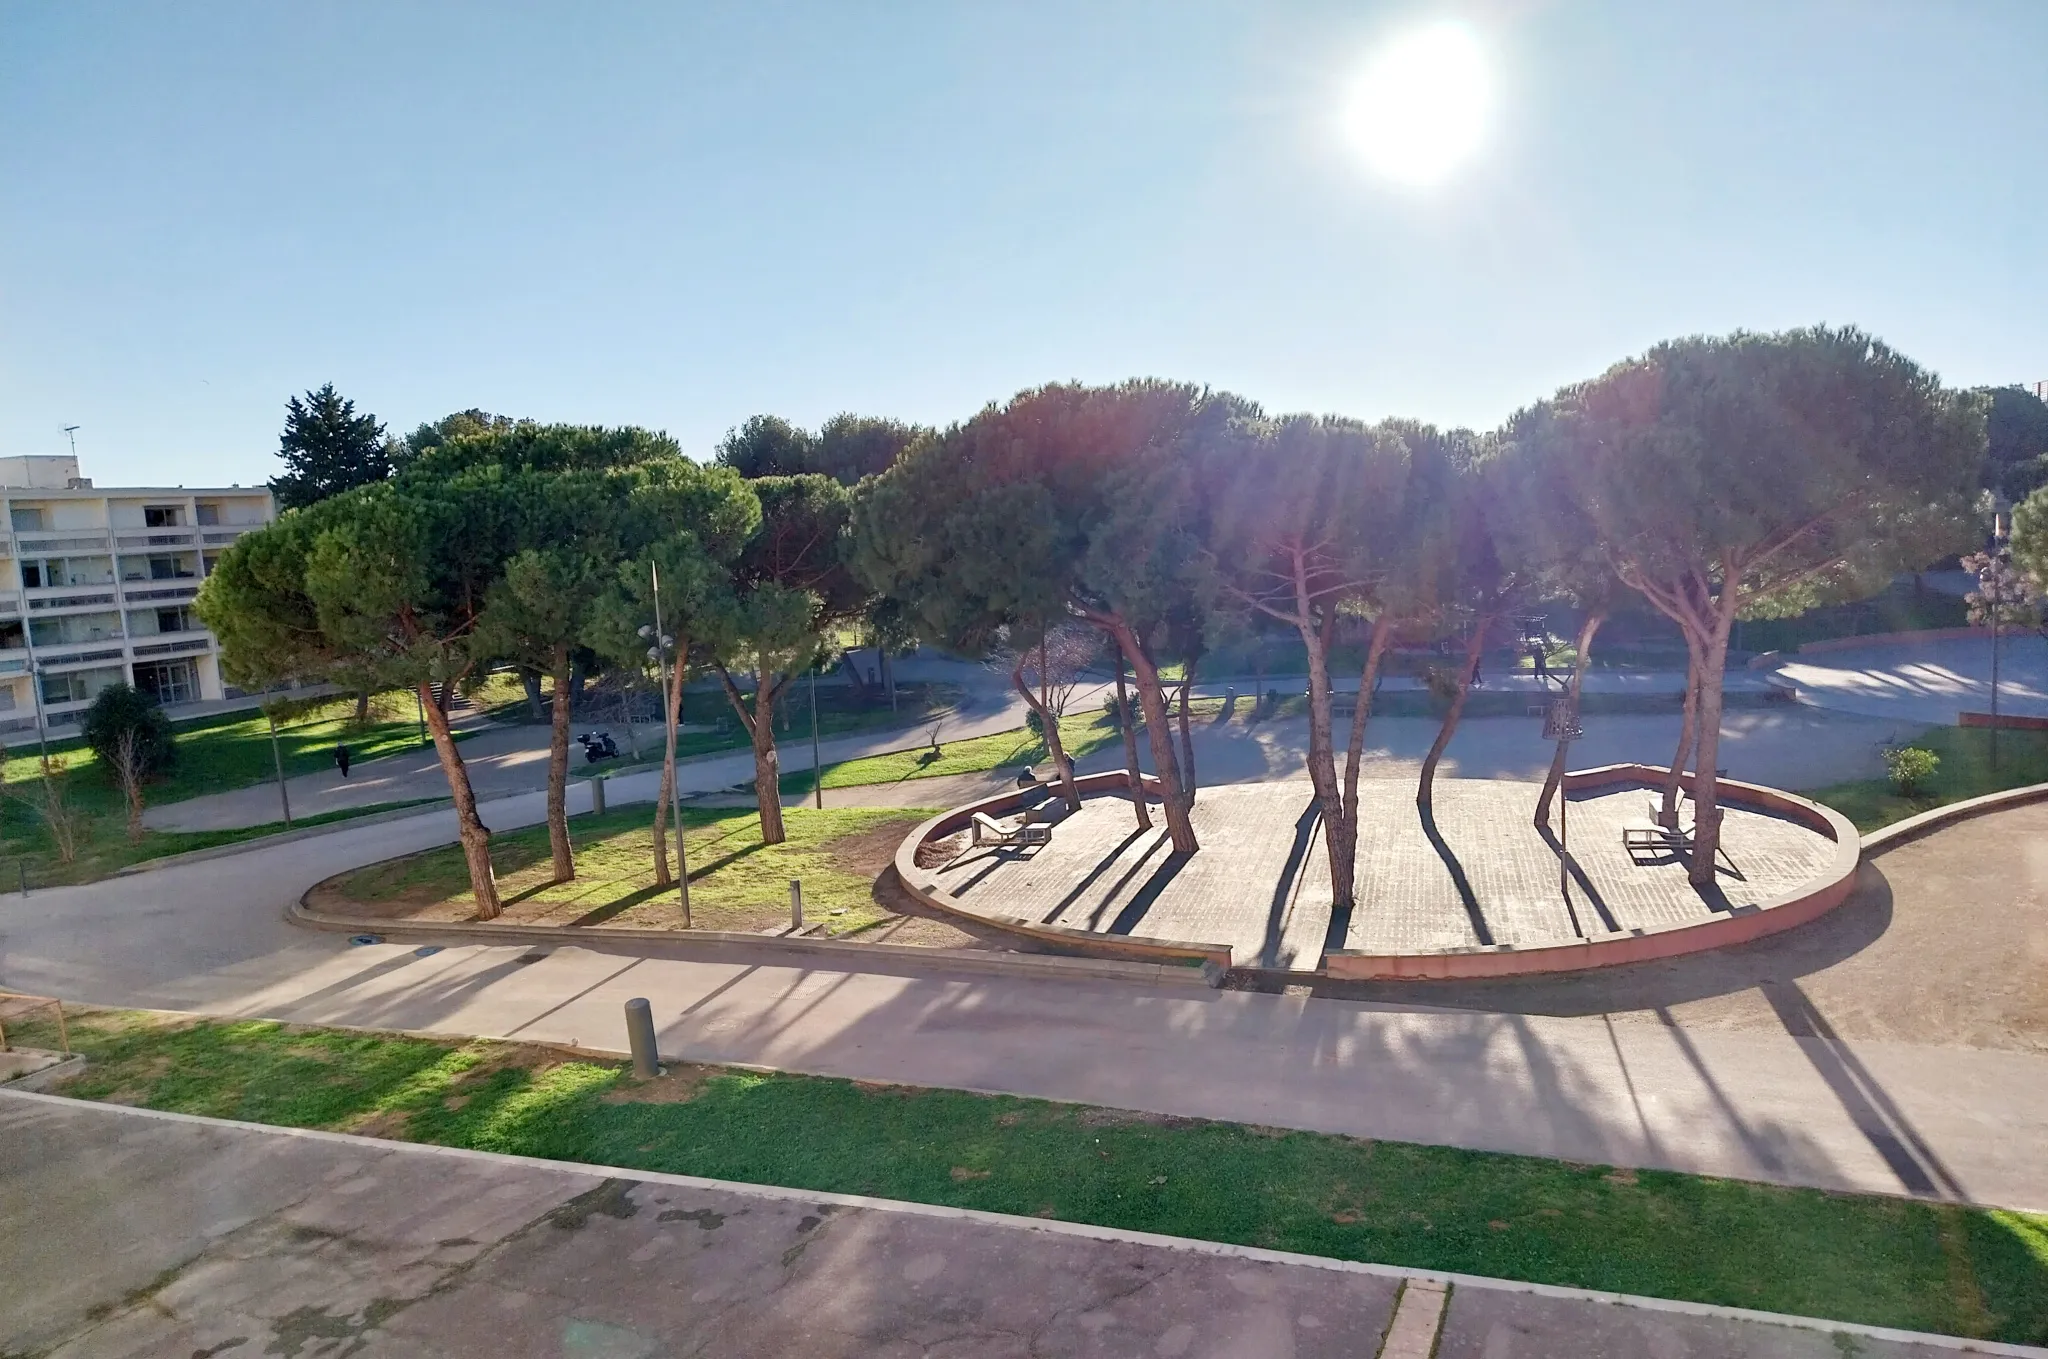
x=96 y=588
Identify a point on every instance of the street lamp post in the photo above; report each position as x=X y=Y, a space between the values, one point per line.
x=817 y=772
x=661 y=654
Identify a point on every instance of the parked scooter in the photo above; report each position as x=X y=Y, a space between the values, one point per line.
x=598 y=745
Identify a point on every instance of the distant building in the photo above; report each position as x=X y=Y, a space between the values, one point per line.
x=96 y=588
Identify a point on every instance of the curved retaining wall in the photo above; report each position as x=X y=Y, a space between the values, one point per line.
x=1609 y=949
x=1132 y=948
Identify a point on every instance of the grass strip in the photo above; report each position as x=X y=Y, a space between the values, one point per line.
x=736 y=882
x=1869 y=1259
x=1965 y=772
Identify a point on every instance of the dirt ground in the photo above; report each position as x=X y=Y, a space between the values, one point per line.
x=1944 y=942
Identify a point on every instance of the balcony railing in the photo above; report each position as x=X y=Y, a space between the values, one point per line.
x=63 y=540
x=63 y=597
x=47 y=660
x=158 y=538
x=188 y=644
x=156 y=590
x=217 y=535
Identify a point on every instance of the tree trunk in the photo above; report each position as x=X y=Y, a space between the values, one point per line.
x=1341 y=835
x=1706 y=788
x=1179 y=827
x=760 y=726
x=671 y=718
x=1688 y=738
x=362 y=707
x=1426 y=790
x=1322 y=761
x=1187 y=740
x=1130 y=733
x=1554 y=780
x=558 y=774
x=476 y=836
x=889 y=677
x=1049 y=723
x=444 y=698
x=529 y=679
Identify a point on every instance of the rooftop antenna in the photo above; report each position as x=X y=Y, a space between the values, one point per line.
x=71 y=433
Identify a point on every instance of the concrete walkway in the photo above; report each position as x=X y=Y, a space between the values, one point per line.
x=505 y=760
x=1927 y=682
x=129 y=1234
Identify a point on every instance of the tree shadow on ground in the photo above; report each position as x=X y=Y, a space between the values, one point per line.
x=1813 y=947
x=1456 y=868
x=1145 y=897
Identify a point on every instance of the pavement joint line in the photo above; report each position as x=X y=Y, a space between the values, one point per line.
x=1430 y=1279
x=1418 y=1318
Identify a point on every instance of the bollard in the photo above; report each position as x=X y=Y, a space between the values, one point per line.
x=23 y=866
x=640 y=1038
x=597 y=796
x=796 y=903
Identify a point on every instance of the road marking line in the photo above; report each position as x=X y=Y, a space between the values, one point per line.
x=1417 y=1317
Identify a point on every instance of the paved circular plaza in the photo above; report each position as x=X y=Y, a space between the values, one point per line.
x=1478 y=878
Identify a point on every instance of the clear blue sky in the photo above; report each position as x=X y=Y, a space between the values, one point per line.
x=678 y=215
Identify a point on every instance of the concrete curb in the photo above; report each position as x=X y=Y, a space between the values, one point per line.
x=36 y=1082
x=255 y=842
x=1084 y=1231
x=799 y=951
x=1913 y=827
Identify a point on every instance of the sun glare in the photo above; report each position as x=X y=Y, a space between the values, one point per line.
x=1420 y=105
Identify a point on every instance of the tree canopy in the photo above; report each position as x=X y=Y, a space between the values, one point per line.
x=847 y=448
x=327 y=449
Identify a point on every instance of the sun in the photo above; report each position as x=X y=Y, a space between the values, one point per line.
x=1420 y=107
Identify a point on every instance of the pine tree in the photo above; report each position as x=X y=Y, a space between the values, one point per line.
x=327 y=449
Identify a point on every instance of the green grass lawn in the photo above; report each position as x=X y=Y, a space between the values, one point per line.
x=1081 y=734
x=215 y=754
x=1965 y=772
x=736 y=882
x=1880 y=1261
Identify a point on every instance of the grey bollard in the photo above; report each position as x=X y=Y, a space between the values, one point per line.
x=796 y=903
x=640 y=1038
x=597 y=796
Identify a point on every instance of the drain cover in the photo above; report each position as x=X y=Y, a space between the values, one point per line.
x=360 y=939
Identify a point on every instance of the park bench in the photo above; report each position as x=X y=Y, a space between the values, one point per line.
x=1024 y=831
x=1652 y=836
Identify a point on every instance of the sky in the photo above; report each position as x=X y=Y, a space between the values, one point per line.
x=679 y=214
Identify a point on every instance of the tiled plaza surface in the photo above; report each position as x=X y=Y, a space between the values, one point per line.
x=1482 y=874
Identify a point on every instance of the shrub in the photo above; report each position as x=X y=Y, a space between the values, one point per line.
x=119 y=708
x=1035 y=723
x=1909 y=768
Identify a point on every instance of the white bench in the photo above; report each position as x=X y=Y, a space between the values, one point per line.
x=989 y=831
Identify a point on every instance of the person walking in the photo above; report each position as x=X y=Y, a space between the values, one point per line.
x=342 y=756
x=1541 y=662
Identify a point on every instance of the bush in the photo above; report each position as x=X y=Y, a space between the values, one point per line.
x=1110 y=710
x=1035 y=724
x=119 y=708
x=1909 y=768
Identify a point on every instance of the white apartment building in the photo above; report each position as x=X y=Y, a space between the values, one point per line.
x=96 y=588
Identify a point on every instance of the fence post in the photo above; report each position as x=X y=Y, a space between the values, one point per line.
x=796 y=903
x=597 y=795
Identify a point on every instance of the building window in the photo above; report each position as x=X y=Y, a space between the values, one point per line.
x=173 y=620
x=11 y=634
x=78 y=686
x=168 y=681
x=66 y=629
x=163 y=516
x=208 y=512
x=27 y=519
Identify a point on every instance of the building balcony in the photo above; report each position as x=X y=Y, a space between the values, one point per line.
x=45 y=542
x=56 y=598
x=187 y=644
x=176 y=588
x=131 y=539
x=67 y=654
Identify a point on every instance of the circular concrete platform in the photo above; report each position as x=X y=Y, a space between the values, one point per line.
x=1476 y=889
